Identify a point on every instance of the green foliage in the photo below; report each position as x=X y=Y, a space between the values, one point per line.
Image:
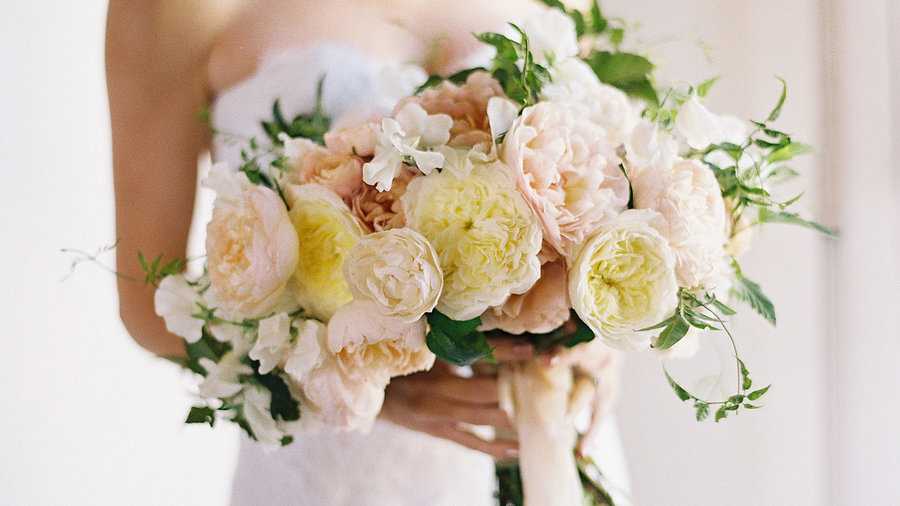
x=626 y=71
x=282 y=405
x=456 y=342
x=154 y=272
x=458 y=78
x=514 y=67
x=750 y=292
x=202 y=414
x=564 y=335
x=509 y=483
x=311 y=126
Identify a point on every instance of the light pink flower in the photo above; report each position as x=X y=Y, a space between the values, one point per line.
x=312 y=163
x=252 y=250
x=340 y=400
x=541 y=309
x=567 y=171
x=690 y=200
x=358 y=140
x=465 y=104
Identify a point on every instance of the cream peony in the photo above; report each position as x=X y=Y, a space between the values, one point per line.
x=340 y=401
x=396 y=269
x=542 y=309
x=689 y=199
x=251 y=251
x=486 y=237
x=328 y=230
x=311 y=163
x=369 y=346
x=567 y=171
x=623 y=279
x=176 y=301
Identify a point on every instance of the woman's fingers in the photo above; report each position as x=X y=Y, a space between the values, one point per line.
x=433 y=409
x=511 y=349
x=499 y=448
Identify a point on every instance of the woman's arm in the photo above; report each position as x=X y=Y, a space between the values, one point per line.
x=156 y=77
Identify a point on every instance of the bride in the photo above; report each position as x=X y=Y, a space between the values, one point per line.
x=169 y=59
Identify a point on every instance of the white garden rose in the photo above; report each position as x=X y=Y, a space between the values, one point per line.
x=486 y=237
x=623 y=279
x=328 y=230
x=176 y=301
x=396 y=269
x=367 y=345
x=251 y=252
x=689 y=199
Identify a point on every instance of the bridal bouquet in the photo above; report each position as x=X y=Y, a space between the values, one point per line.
x=554 y=193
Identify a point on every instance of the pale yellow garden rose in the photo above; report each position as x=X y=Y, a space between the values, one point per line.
x=486 y=237
x=623 y=279
x=251 y=251
x=327 y=230
x=397 y=270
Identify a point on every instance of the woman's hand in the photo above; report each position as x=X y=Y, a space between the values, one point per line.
x=442 y=402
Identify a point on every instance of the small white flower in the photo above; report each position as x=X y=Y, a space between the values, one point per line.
x=268 y=431
x=551 y=35
x=223 y=379
x=700 y=127
x=176 y=301
x=650 y=146
x=461 y=161
x=227 y=184
x=412 y=133
x=502 y=113
x=308 y=350
x=274 y=335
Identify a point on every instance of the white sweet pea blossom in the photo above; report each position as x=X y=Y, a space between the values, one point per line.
x=268 y=431
x=551 y=35
x=176 y=301
x=274 y=335
x=700 y=127
x=461 y=161
x=502 y=112
x=223 y=379
x=411 y=133
x=650 y=146
x=308 y=350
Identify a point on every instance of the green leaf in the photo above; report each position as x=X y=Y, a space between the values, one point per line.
x=751 y=293
x=756 y=394
x=766 y=215
x=598 y=22
x=679 y=391
x=618 y=68
x=286 y=440
x=283 y=405
x=777 y=110
x=746 y=382
x=705 y=86
x=672 y=333
x=702 y=410
x=721 y=413
x=789 y=151
x=201 y=414
x=456 y=342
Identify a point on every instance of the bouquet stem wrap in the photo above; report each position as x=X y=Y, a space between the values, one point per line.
x=536 y=398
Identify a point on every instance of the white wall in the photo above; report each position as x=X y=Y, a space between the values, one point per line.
x=88 y=418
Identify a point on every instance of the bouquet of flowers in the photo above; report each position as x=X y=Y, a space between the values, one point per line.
x=554 y=193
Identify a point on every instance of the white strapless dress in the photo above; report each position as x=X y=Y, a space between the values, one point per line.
x=390 y=465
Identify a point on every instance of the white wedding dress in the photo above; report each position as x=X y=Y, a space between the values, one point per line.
x=390 y=465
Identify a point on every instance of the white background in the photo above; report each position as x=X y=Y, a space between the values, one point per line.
x=89 y=418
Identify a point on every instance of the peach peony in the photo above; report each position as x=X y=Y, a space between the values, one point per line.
x=567 y=171
x=465 y=104
x=252 y=250
x=542 y=309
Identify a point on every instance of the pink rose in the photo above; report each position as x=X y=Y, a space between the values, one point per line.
x=466 y=105
x=541 y=309
x=358 y=140
x=567 y=171
x=312 y=163
x=252 y=250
